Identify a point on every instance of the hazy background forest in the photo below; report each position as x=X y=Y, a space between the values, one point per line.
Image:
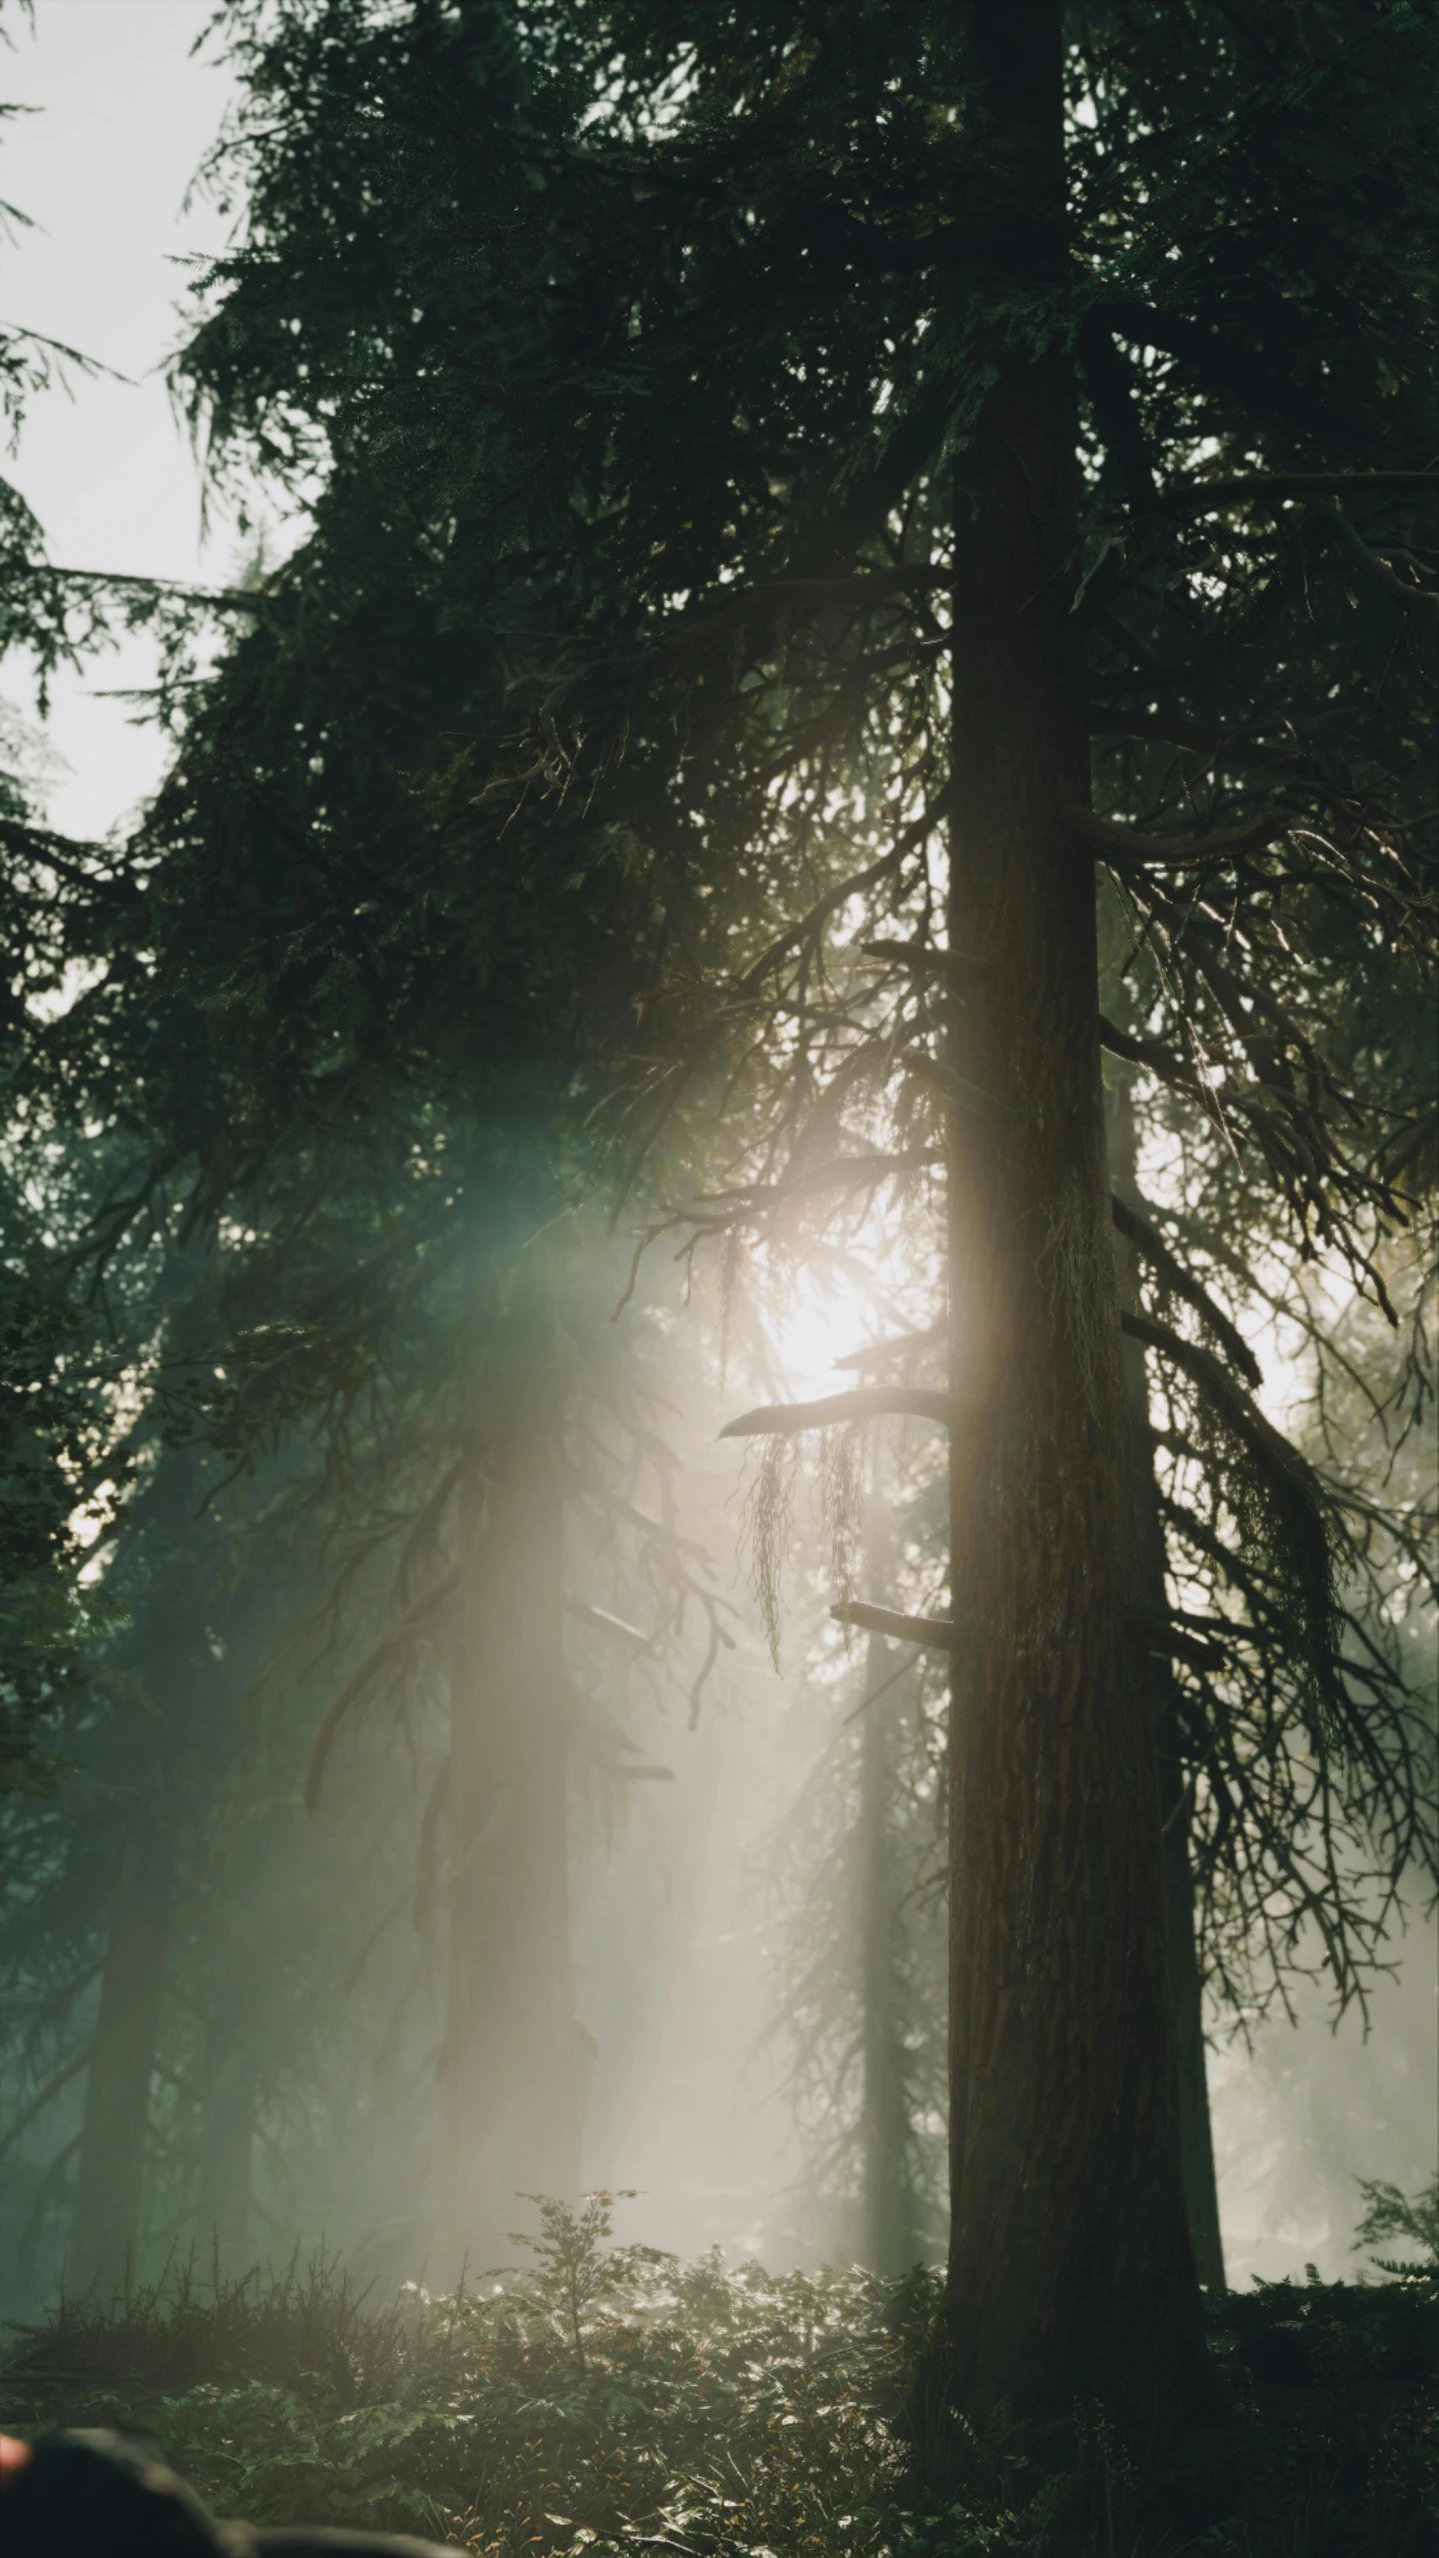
x=718 y=1812
x=713 y=1908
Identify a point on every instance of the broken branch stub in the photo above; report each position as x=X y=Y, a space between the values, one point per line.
x=937 y=1634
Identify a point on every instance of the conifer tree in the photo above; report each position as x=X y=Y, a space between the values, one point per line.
x=802 y=486
x=939 y=388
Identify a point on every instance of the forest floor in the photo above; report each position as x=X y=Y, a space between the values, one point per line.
x=612 y=2401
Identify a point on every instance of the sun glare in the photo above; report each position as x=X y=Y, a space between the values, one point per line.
x=817 y=1327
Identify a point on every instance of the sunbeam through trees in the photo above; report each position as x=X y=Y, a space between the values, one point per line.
x=719 y=1494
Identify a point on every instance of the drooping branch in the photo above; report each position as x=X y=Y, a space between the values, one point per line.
x=354 y=1688
x=69 y=860
x=1200 y=495
x=793 y=937
x=926 y=958
x=1166 y=728
x=1123 y=845
x=840 y=1172
x=753 y=609
x=1183 y=1283
x=51 y=2089
x=804 y=595
x=1290 y=1496
x=1166 y=1063
x=1215 y=1383
x=1330 y=520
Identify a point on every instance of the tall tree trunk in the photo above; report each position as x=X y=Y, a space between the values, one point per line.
x=1071 y=2272
x=1196 y=2139
x=510 y=2087
x=170 y=1653
x=227 y=2136
x=888 y=2236
x=104 y=2232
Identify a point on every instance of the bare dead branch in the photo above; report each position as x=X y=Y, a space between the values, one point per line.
x=1170 y=1640
x=603 y=1623
x=873 y=1354
x=862 y=1403
x=937 y=1634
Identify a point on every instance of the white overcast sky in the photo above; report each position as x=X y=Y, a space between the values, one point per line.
x=121 y=116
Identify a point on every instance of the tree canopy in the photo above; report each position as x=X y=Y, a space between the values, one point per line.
x=857 y=578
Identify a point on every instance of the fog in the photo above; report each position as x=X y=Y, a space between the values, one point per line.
x=683 y=1890
x=688 y=1889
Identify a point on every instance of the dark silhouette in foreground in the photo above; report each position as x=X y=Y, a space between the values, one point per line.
x=99 y=2495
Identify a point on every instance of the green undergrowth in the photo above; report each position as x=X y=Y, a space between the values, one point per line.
x=611 y=2401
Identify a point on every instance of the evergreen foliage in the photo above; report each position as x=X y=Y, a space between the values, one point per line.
x=780 y=495
x=610 y=2399
x=284 y=380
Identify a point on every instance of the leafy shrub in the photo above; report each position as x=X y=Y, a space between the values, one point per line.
x=608 y=2402
x=1388 y=2214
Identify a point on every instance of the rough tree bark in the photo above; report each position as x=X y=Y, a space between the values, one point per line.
x=888 y=2236
x=170 y=1653
x=1196 y=2139
x=509 y=2099
x=1071 y=2272
x=105 y=2229
x=224 y=2201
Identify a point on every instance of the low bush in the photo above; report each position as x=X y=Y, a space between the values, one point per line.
x=611 y=2401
